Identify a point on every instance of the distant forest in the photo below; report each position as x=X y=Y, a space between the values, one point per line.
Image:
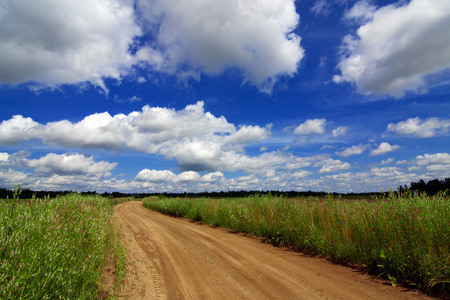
x=431 y=187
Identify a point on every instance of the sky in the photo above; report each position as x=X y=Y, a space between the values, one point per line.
x=153 y=96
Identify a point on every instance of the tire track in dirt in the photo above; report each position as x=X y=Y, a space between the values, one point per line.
x=174 y=258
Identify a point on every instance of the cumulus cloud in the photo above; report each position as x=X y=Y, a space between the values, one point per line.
x=339 y=131
x=155 y=175
x=58 y=164
x=388 y=172
x=213 y=177
x=66 y=171
x=166 y=176
x=60 y=172
x=50 y=43
x=397 y=47
x=387 y=161
x=384 y=148
x=196 y=139
x=361 y=11
x=146 y=131
x=433 y=159
x=331 y=165
x=70 y=164
x=420 y=128
x=165 y=180
x=301 y=174
x=353 y=150
x=437 y=164
x=4 y=156
x=17 y=129
x=248 y=134
x=311 y=126
x=194 y=37
x=10 y=177
x=66 y=42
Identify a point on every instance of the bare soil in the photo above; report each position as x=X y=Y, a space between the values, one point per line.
x=174 y=258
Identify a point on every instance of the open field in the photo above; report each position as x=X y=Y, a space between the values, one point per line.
x=405 y=238
x=60 y=248
x=56 y=248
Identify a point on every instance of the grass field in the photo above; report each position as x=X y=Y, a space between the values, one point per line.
x=405 y=237
x=56 y=248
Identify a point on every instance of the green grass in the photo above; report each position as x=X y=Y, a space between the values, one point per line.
x=56 y=248
x=405 y=237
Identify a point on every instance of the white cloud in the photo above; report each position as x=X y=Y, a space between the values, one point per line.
x=248 y=134
x=188 y=176
x=11 y=178
x=146 y=131
x=53 y=172
x=433 y=159
x=384 y=148
x=361 y=11
x=331 y=165
x=198 y=155
x=196 y=139
x=98 y=130
x=17 y=129
x=420 y=128
x=375 y=180
x=397 y=48
x=297 y=165
x=57 y=42
x=321 y=7
x=213 y=177
x=402 y=162
x=353 y=150
x=210 y=37
x=339 y=131
x=69 y=171
x=51 y=43
x=311 y=126
x=70 y=164
x=386 y=162
x=155 y=175
x=166 y=176
x=301 y=174
x=388 y=172
x=4 y=156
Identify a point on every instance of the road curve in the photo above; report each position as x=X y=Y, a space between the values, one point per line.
x=174 y=258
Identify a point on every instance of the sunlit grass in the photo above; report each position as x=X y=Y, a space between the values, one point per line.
x=56 y=248
x=406 y=237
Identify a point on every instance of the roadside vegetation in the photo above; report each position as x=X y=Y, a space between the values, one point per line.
x=57 y=248
x=404 y=237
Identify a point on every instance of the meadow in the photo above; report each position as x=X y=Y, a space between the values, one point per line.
x=57 y=248
x=403 y=238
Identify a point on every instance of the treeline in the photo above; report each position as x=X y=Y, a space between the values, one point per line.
x=431 y=187
x=222 y=194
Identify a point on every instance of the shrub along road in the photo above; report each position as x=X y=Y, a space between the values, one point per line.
x=174 y=258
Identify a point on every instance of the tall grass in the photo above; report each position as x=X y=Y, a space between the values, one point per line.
x=405 y=237
x=55 y=248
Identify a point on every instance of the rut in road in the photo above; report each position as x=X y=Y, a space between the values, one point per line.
x=174 y=258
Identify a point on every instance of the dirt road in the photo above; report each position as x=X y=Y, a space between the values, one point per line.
x=174 y=258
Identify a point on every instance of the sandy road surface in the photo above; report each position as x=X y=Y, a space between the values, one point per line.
x=174 y=258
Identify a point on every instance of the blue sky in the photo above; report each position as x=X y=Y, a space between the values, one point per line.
x=170 y=96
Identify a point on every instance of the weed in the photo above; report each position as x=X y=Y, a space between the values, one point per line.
x=54 y=248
